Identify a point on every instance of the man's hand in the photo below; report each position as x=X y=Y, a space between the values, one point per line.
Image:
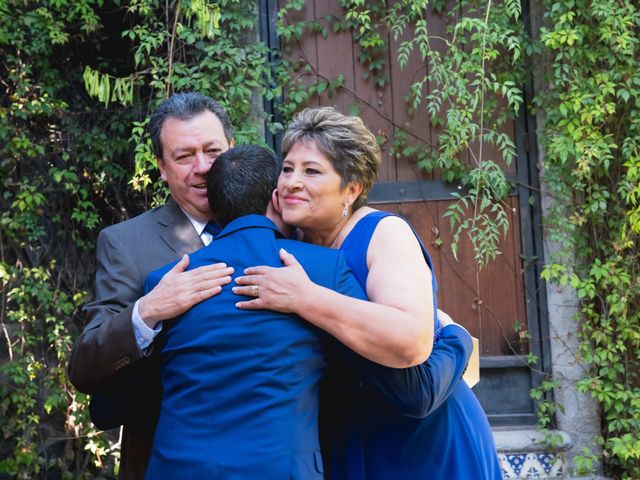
x=179 y=290
x=444 y=319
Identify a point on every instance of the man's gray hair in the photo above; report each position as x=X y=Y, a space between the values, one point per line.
x=185 y=106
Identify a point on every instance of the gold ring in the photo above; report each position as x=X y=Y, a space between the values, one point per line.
x=255 y=290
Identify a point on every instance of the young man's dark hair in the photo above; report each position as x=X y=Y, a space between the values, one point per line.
x=185 y=106
x=241 y=181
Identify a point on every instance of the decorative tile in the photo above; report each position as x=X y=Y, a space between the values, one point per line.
x=531 y=465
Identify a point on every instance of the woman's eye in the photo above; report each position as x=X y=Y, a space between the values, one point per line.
x=287 y=169
x=312 y=171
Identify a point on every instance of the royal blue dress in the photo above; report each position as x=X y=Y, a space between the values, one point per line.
x=365 y=437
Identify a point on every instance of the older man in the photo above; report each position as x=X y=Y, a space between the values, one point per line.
x=188 y=132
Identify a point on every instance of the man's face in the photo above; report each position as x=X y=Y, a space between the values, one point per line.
x=189 y=148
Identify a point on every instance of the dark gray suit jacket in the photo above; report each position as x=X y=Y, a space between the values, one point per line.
x=106 y=352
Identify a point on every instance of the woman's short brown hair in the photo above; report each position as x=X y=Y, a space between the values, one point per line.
x=351 y=148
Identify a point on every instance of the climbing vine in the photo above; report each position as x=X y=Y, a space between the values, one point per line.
x=592 y=167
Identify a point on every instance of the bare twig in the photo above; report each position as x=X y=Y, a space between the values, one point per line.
x=171 y=46
x=4 y=306
x=358 y=97
x=369 y=104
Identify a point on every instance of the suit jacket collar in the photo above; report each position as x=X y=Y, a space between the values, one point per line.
x=249 y=221
x=178 y=233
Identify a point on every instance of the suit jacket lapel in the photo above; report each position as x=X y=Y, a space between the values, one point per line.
x=178 y=233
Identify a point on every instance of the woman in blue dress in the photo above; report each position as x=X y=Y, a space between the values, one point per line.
x=330 y=163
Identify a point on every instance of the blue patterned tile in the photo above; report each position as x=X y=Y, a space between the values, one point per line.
x=531 y=465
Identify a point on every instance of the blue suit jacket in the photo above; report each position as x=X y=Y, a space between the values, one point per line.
x=241 y=388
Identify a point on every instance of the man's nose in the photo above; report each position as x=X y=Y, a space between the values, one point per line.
x=202 y=163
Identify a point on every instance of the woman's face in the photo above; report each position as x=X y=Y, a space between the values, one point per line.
x=309 y=189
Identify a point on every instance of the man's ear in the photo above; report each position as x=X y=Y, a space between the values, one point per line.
x=161 y=167
x=275 y=201
x=273 y=214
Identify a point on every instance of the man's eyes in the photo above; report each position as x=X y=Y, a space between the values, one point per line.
x=188 y=157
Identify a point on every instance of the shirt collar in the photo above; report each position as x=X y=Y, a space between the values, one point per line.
x=198 y=225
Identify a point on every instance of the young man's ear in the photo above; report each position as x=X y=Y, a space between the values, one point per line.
x=274 y=214
x=275 y=201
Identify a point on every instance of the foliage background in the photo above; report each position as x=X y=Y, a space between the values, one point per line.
x=78 y=79
x=590 y=103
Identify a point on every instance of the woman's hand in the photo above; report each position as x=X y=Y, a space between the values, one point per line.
x=280 y=289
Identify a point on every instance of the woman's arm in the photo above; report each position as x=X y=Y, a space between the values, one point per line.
x=394 y=328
